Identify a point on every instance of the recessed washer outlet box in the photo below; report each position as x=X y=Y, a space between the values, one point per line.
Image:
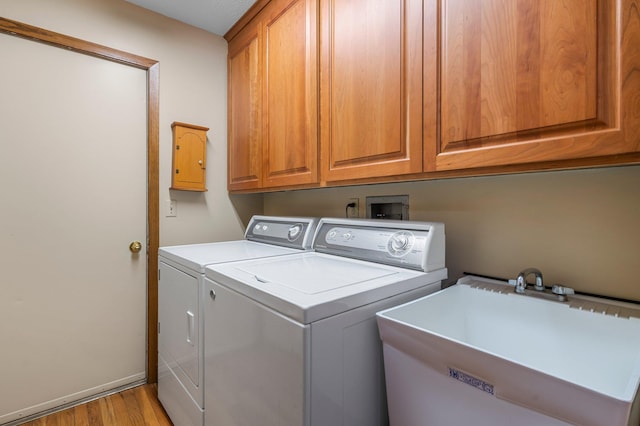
x=395 y=207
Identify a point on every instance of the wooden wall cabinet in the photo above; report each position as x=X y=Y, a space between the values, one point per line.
x=189 y=157
x=419 y=89
x=530 y=82
x=371 y=88
x=273 y=98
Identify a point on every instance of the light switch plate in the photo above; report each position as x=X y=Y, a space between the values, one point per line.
x=172 y=208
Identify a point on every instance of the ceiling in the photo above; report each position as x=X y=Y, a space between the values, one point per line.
x=215 y=16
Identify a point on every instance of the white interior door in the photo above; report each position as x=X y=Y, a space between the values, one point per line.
x=73 y=185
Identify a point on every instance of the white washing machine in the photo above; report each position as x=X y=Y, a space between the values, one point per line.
x=180 y=298
x=293 y=340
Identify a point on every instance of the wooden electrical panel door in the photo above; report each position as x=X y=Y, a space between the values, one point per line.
x=189 y=157
x=290 y=93
x=528 y=81
x=244 y=122
x=371 y=88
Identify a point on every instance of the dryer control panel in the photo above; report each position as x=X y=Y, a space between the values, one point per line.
x=414 y=245
x=294 y=232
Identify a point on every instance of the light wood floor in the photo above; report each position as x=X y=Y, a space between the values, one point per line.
x=137 y=406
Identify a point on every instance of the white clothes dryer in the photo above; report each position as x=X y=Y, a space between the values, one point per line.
x=180 y=298
x=293 y=340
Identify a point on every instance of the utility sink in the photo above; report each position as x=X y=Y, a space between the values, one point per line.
x=477 y=352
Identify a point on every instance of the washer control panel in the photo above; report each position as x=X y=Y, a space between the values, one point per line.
x=296 y=232
x=414 y=245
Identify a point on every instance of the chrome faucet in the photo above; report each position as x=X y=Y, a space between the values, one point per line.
x=557 y=292
x=521 y=281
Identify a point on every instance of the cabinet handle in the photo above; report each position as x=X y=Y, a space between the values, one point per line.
x=212 y=294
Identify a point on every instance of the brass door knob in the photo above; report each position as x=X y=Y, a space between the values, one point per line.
x=135 y=246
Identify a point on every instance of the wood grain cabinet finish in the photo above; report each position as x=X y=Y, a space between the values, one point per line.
x=417 y=89
x=273 y=98
x=244 y=127
x=371 y=88
x=530 y=81
x=189 y=157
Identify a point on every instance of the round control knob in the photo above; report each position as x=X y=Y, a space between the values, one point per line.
x=294 y=232
x=400 y=243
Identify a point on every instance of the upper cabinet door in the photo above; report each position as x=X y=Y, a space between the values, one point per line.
x=273 y=98
x=290 y=93
x=371 y=88
x=528 y=81
x=245 y=111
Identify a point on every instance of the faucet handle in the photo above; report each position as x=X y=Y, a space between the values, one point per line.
x=562 y=292
x=559 y=289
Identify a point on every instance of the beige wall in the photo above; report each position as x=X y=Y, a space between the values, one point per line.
x=193 y=84
x=581 y=227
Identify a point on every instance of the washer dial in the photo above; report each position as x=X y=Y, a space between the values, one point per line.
x=400 y=243
x=294 y=232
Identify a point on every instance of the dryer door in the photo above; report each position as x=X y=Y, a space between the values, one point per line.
x=179 y=319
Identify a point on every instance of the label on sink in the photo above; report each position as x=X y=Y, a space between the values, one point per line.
x=471 y=380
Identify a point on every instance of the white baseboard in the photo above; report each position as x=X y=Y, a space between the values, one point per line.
x=67 y=401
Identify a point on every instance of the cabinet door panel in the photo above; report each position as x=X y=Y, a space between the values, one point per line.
x=514 y=66
x=371 y=88
x=244 y=109
x=290 y=90
x=366 y=68
x=527 y=81
x=189 y=157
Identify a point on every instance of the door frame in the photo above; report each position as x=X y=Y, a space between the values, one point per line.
x=151 y=66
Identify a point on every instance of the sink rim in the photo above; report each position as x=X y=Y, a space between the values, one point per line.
x=631 y=383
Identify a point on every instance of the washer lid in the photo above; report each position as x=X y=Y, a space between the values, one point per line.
x=316 y=274
x=310 y=286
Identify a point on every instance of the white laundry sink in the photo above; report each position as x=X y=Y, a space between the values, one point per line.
x=558 y=364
